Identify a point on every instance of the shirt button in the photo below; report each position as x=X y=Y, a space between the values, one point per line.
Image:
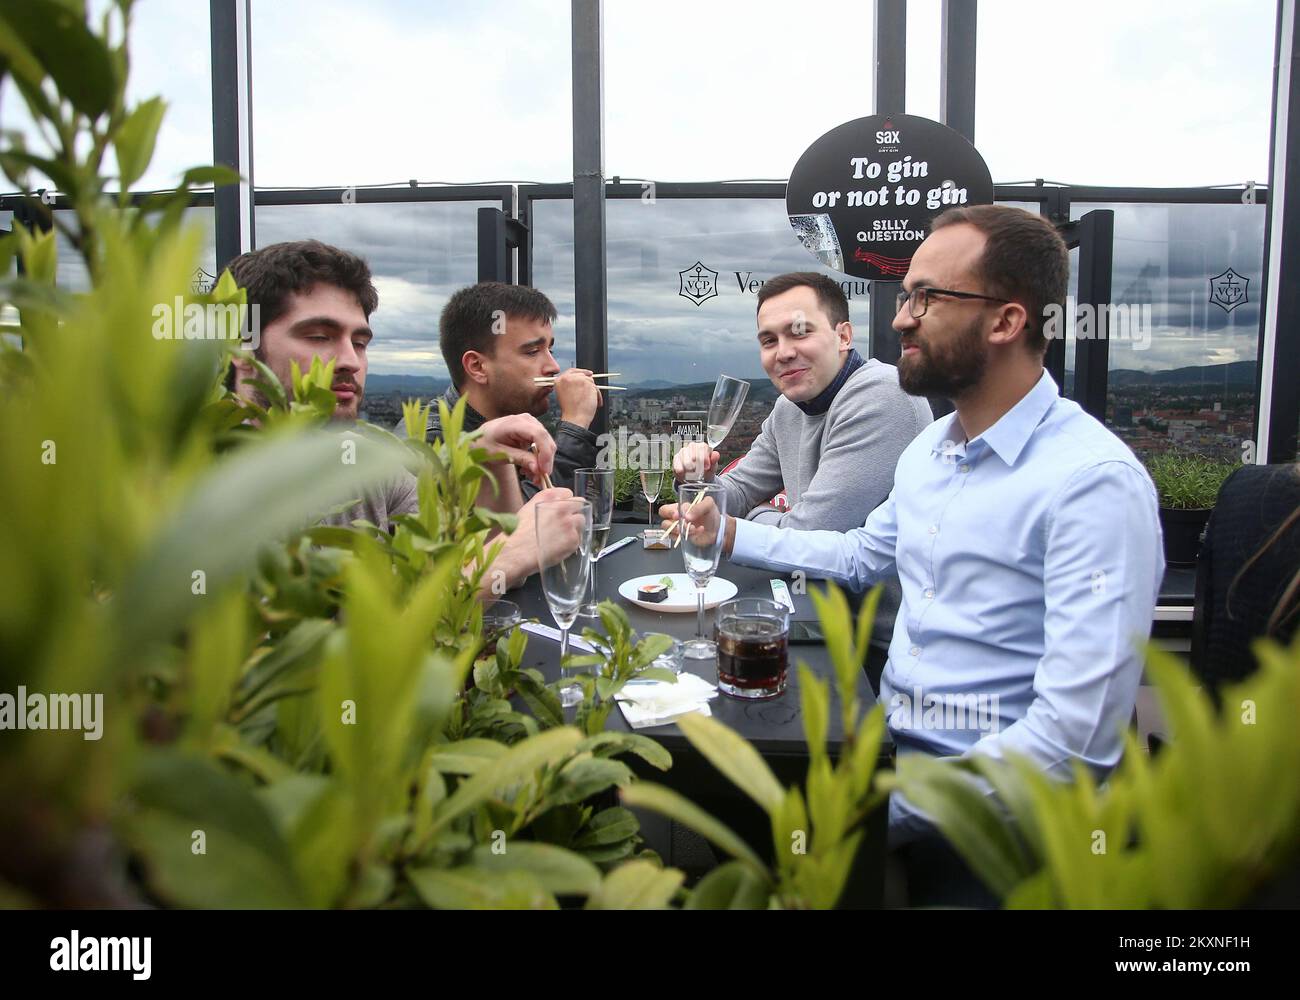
x=929 y=594
x=934 y=529
x=915 y=650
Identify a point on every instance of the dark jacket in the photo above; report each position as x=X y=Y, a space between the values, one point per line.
x=1253 y=503
x=575 y=446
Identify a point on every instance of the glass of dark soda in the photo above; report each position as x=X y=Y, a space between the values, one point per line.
x=753 y=641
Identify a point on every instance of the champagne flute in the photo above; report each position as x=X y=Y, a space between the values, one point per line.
x=728 y=397
x=596 y=486
x=563 y=557
x=652 y=483
x=701 y=547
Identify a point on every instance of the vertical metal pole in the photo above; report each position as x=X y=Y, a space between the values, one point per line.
x=889 y=40
x=589 y=278
x=1278 y=412
x=957 y=67
x=1092 y=354
x=232 y=125
x=493 y=253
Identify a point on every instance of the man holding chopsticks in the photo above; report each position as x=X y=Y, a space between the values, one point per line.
x=497 y=340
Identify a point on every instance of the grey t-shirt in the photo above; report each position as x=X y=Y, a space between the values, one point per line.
x=399 y=496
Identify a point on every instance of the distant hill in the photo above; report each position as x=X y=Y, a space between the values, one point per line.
x=760 y=389
x=406 y=385
x=1239 y=373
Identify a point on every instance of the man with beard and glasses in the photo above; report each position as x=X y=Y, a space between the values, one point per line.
x=315 y=301
x=1025 y=535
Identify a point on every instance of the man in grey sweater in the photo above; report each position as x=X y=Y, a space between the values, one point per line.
x=836 y=432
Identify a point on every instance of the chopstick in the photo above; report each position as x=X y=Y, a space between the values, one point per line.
x=611 y=388
x=678 y=522
x=552 y=378
x=546 y=480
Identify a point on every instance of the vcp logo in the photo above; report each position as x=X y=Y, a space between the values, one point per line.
x=698 y=283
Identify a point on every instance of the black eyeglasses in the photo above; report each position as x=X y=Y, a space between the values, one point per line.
x=918 y=299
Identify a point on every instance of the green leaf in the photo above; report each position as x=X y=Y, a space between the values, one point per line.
x=583 y=777
x=608 y=827
x=735 y=757
x=136 y=139
x=217 y=176
x=649 y=750
x=730 y=886
x=78 y=62
x=465 y=756
x=637 y=885
x=816 y=710
x=518 y=762
x=558 y=871
x=471 y=888
x=666 y=802
x=239 y=861
x=260 y=493
x=970 y=820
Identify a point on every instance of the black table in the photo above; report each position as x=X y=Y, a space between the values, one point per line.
x=774 y=726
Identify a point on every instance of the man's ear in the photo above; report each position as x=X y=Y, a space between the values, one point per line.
x=845 y=334
x=1011 y=323
x=475 y=365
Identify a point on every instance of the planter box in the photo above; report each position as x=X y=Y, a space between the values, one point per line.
x=1182 y=530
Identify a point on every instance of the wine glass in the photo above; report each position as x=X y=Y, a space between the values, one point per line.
x=728 y=397
x=596 y=486
x=563 y=557
x=700 y=551
x=652 y=482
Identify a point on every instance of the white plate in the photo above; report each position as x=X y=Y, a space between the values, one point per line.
x=681 y=596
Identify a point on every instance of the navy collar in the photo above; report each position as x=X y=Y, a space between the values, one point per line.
x=820 y=403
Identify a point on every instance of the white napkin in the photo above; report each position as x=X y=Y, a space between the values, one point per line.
x=657 y=703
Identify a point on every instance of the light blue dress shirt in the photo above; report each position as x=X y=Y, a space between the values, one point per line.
x=1030 y=560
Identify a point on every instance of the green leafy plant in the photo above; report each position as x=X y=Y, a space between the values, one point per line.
x=623 y=658
x=817 y=830
x=292 y=715
x=1188 y=482
x=1204 y=823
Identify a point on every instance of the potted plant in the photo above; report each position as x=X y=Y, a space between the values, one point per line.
x=1187 y=486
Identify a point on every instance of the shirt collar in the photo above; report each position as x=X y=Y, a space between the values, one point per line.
x=820 y=403
x=1008 y=437
x=1014 y=428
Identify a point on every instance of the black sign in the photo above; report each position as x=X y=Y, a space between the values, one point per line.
x=861 y=197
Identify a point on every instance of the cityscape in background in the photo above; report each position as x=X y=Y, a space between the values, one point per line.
x=1205 y=409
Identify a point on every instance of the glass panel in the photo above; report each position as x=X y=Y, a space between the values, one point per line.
x=668 y=348
x=392 y=90
x=72 y=273
x=1130 y=93
x=1186 y=284
x=419 y=254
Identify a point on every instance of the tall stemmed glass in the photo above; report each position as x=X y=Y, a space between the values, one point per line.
x=728 y=397
x=652 y=482
x=596 y=486
x=701 y=547
x=563 y=556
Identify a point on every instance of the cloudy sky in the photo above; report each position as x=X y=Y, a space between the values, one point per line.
x=347 y=94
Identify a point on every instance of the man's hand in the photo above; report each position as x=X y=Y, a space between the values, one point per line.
x=511 y=437
x=702 y=522
x=695 y=462
x=578 y=396
x=518 y=558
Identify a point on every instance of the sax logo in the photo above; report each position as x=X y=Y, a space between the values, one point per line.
x=201 y=282
x=698 y=283
x=1228 y=290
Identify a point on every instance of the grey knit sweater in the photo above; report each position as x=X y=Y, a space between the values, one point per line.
x=836 y=467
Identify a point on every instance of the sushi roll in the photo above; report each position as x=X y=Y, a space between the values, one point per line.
x=652 y=592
